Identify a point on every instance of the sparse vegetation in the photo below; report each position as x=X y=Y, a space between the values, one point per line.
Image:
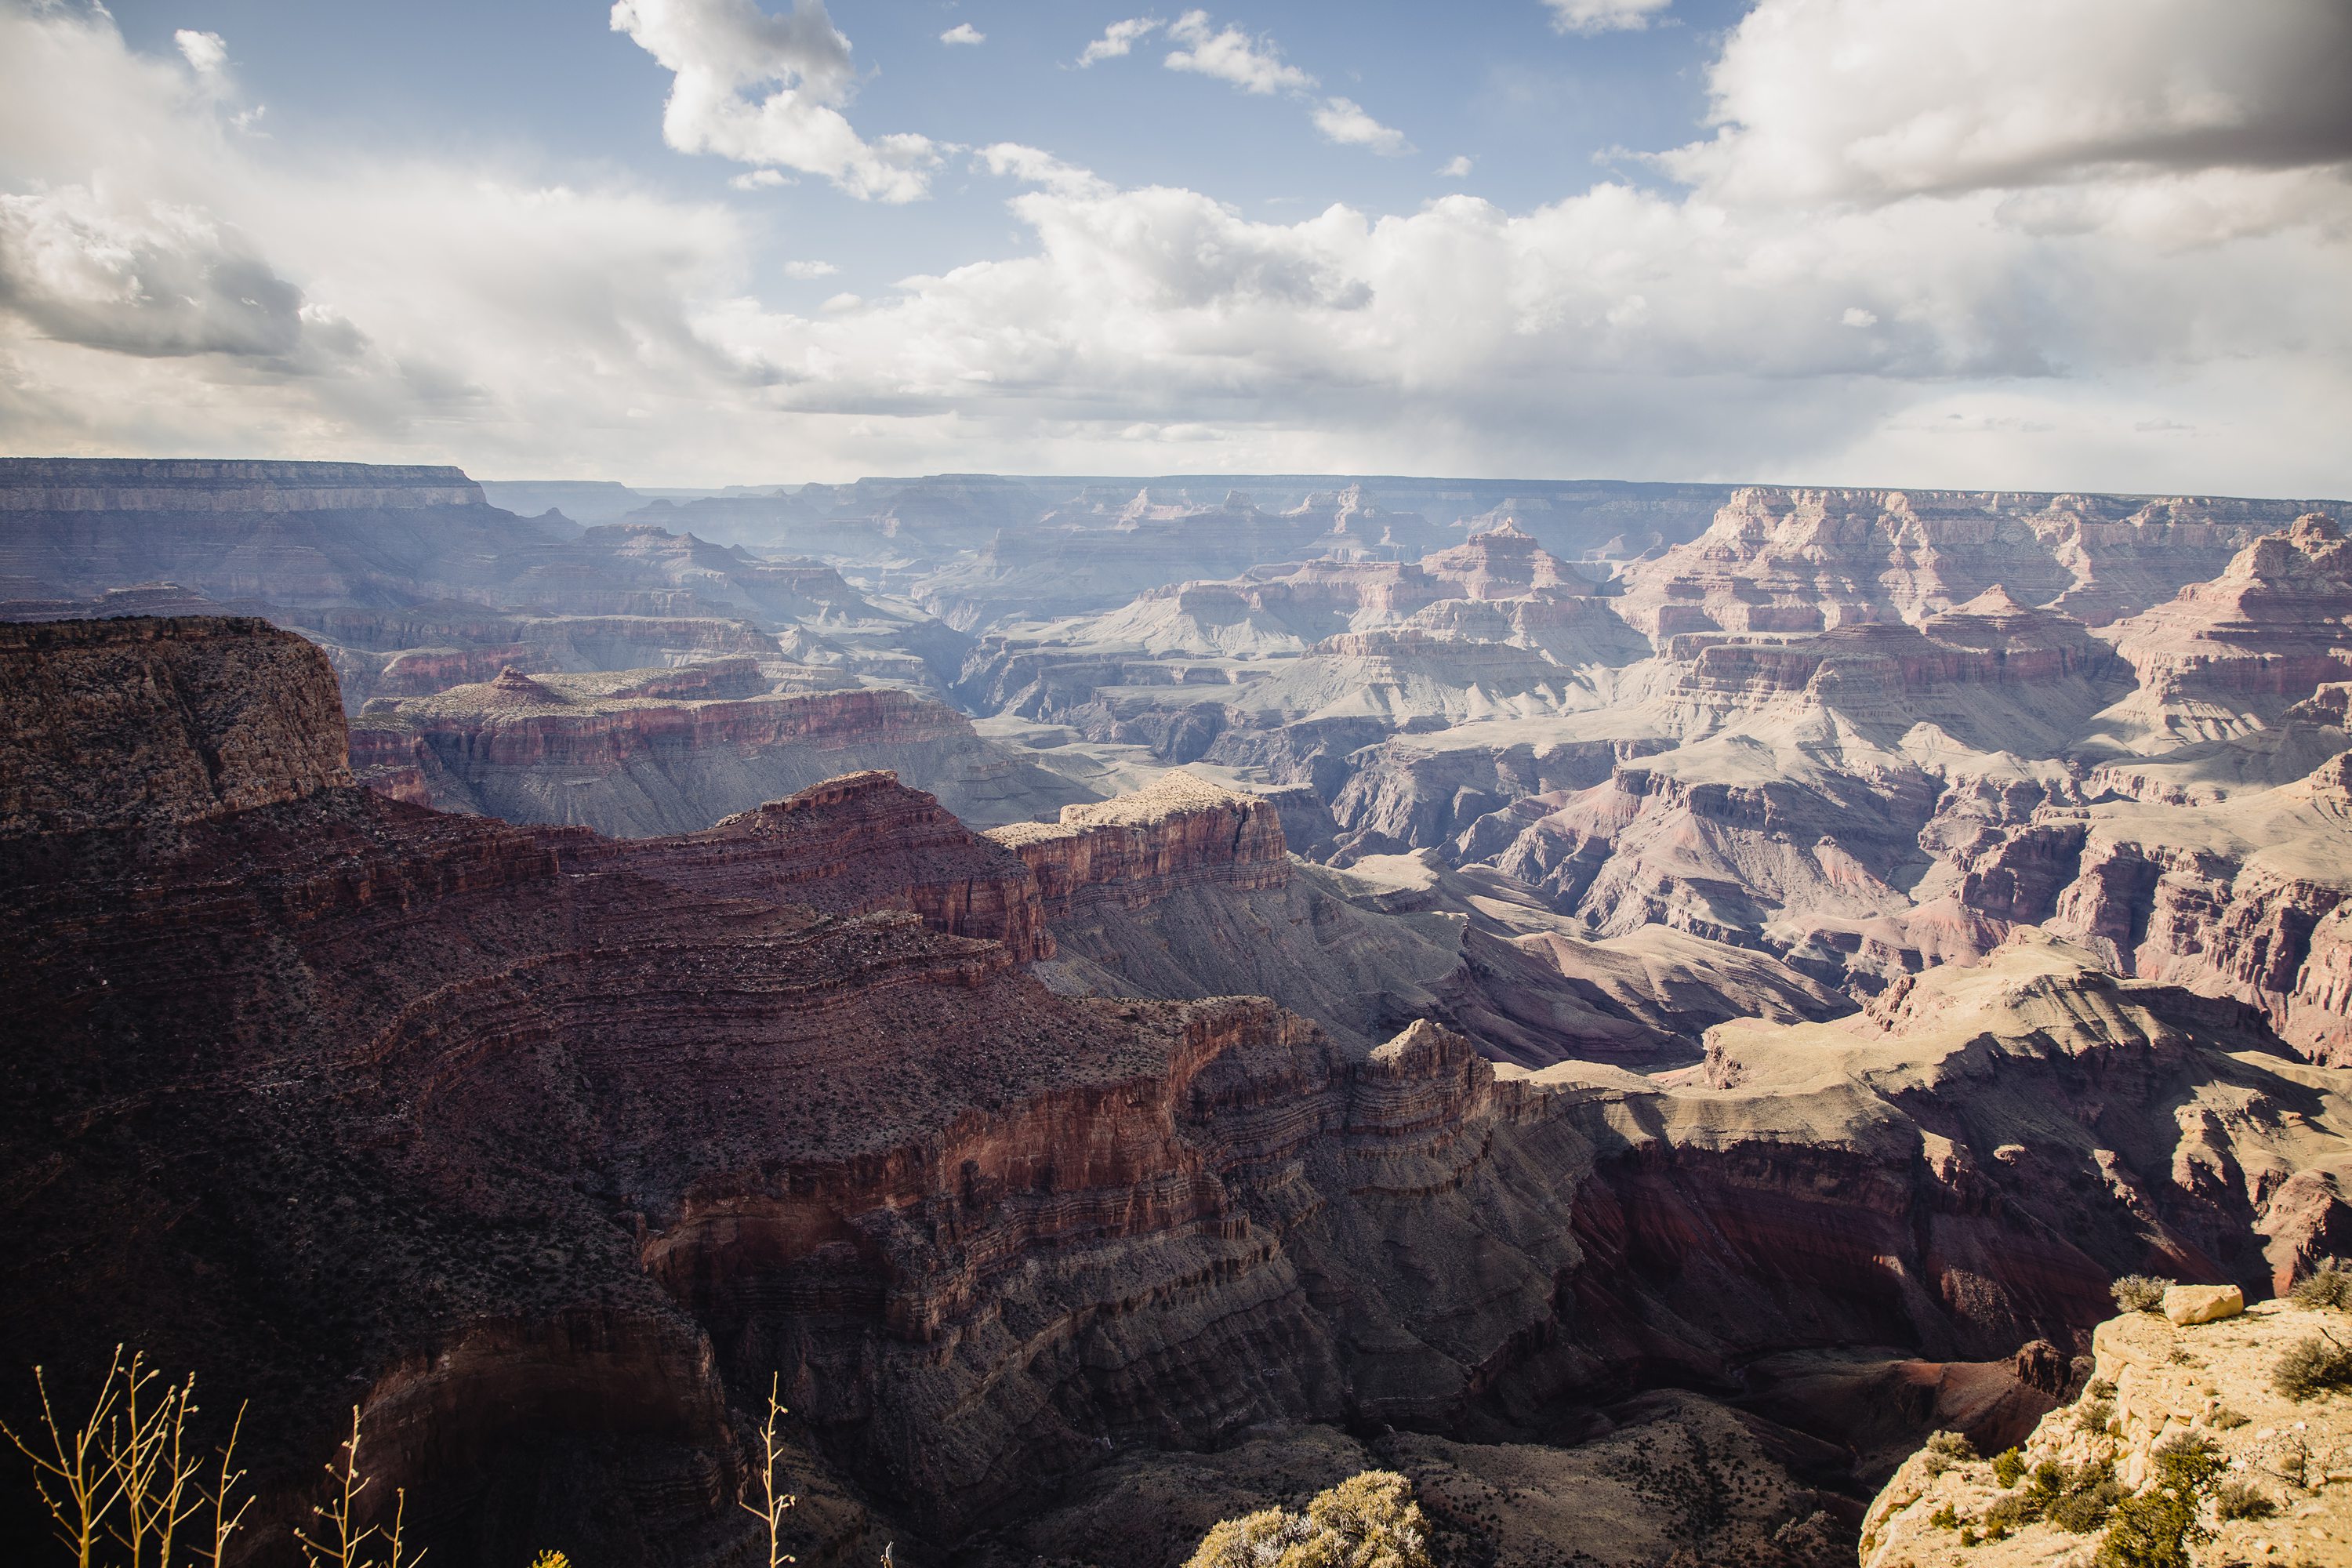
x=2138 y=1293
x=2073 y=1499
x=128 y=1482
x=2313 y=1366
x=1369 y=1520
x=130 y=1486
x=1947 y=1451
x=2242 y=1499
x=342 y=1542
x=2092 y=1415
x=772 y=1504
x=2329 y=1285
x=2008 y=1466
x=2157 y=1528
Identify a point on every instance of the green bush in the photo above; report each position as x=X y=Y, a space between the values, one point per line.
x=2329 y=1285
x=2156 y=1529
x=2008 y=1464
x=2313 y=1366
x=2092 y=1415
x=2077 y=1501
x=1369 y=1520
x=2138 y=1293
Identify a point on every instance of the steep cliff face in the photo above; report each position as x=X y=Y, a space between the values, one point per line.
x=195 y=485
x=553 y=1150
x=641 y=753
x=110 y=723
x=1131 y=851
x=2237 y=652
x=2239 y=899
x=860 y=843
x=1801 y=561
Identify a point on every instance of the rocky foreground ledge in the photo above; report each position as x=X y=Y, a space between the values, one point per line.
x=2283 y=1466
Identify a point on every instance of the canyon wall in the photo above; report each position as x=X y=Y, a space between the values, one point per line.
x=638 y=753
x=1183 y=831
x=111 y=723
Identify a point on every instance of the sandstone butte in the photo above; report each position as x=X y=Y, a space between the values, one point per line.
x=549 y=1150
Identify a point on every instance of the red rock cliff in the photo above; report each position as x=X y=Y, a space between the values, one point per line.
x=1179 y=831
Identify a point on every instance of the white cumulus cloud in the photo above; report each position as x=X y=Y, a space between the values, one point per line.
x=1342 y=120
x=963 y=33
x=1879 y=99
x=766 y=90
x=1230 y=54
x=1603 y=15
x=2048 y=321
x=205 y=51
x=1456 y=167
x=810 y=270
x=1118 y=38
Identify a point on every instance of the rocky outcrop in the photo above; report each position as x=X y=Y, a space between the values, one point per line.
x=1802 y=560
x=2154 y=1383
x=2243 y=899
x=117 y=722
x=1133 y=850
x=554 y=1151
x=1502 y=563
x=860 y=843
x=640 y=752
x=2237 y=652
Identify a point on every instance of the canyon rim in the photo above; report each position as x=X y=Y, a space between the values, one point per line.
x=867 y=783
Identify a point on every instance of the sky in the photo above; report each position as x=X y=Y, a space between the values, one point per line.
x=1978 y=244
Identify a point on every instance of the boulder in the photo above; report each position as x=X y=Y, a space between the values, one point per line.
x=2187 y=1304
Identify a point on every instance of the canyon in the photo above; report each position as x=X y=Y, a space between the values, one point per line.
x=1629 y=1005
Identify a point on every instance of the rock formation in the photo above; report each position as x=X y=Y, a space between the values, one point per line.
x=549 y=1150
x=638 y=753
x=2155 y=1384
x=121 y=723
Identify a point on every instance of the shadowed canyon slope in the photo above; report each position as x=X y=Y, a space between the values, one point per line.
x=549 y=1148
x=1638 y=1001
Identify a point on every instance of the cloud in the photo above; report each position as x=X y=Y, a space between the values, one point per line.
x=1881 y=99
x=212 y=292
x=1603 y=15
x=151 y=280
x=1342 y=121
x=723 y=53
x=1230 y=54
x=761 y=179
x=1256 y=66
x=1037 y=167
x=1456 y=167
x=810 y=270
x=1118 y=40
x=963 y=33
x=205 y=51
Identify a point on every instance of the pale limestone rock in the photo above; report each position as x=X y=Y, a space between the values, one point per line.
x=2187 y=1304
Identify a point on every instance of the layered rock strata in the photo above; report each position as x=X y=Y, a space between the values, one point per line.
x=649 y=752
x=1183 y=830
x=551 y=1151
